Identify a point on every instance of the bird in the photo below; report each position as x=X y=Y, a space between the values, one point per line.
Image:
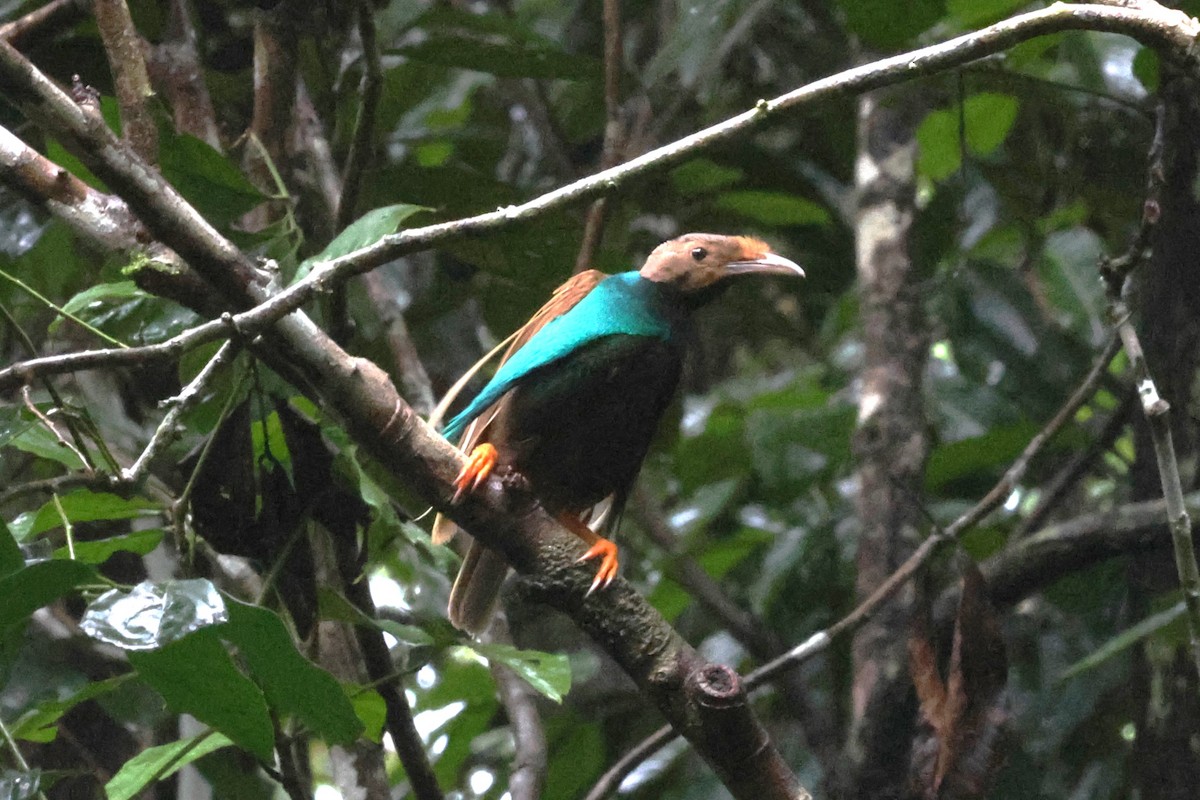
x=577 y=398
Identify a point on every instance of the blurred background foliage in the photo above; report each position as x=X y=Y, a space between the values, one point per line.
x=1031 y=168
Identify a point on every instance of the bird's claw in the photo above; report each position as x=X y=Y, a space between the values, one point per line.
x=606 y=551
x=477 y=469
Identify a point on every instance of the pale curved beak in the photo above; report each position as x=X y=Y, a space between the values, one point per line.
x=766 y=264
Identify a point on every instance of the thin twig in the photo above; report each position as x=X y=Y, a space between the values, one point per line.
x=1179 y=523
x=56 y=484
x=247 y=325
x=1078 y=466
x=1115 y=273
x=68 y=528
x=55 y=397
x=171 y=220
x=168 y=429
x=37 y=21
x=80 y=453
x=378 y=661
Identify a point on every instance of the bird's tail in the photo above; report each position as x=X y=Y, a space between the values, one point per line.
x=476 y=590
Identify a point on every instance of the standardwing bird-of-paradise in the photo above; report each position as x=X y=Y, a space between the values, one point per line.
x=577 y=399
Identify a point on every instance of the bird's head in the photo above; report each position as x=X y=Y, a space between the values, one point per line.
x=695 y=262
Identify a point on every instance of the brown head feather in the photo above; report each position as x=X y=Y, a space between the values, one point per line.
x=696 y=261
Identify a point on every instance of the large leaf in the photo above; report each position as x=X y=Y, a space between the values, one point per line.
x=97 y=552
x=367 y=229
x=82 y=505
x=30 y=436
x=207 y=179
x=40 y=724
x=195 y=675
x=85 y=304
x=156 y=763
x=292 y=683
x=984 y=455
x=28 y=589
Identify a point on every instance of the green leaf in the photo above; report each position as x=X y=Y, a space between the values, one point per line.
x=989 y=452
x=335 y=606
x=671 y=599
x=28 y=589
x=40 y=724
x=1126 y=639
x=156 y=763
x=371 y=711
x=207 y=179
x=99 y=551
x=292 y=683
x=548 y=673
x=702 y=175
x=154 y=614
x=81 y=505
x=32 y=437
x=1146 y=69
x=366 y=230
x=987 y=118
x=86 y=303
x=773 y=208
x=196 y=676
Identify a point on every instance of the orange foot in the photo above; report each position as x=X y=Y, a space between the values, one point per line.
x=477 y=469
x=600 y=548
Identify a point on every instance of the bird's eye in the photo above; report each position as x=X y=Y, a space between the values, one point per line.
x=699 y=253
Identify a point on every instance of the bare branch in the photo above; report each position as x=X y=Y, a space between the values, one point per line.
x=52 y=15
x=167 y=215
x=175 y=68
x=127 y=63
x=168 y=429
